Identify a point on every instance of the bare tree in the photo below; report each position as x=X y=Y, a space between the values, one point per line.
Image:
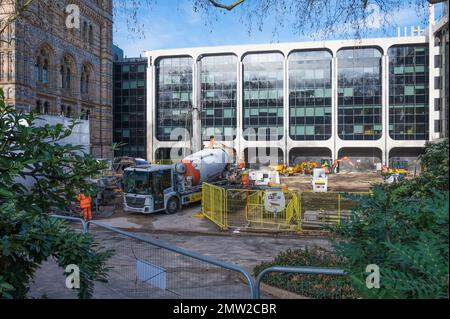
x=316 y=17
x=320 y=17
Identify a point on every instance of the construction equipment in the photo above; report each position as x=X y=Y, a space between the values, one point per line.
x=154 y=188
x=335 y=167
x=393 y=175
x=320 y=180
x=287 y=170
x=264 y=177
x=308 y=167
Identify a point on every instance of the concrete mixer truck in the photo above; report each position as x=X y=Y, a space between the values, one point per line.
x=157 y=188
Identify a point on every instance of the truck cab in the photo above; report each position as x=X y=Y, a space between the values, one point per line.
x=150 y=189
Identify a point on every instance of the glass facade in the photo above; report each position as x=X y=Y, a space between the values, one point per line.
x=173 y=96
x=130 y=106
x=219 y=96
x=263 y=96
x=310 y=95
x=408 y=92
x=359 y=94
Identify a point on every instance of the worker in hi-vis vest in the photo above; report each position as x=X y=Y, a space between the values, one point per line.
x=85 y=205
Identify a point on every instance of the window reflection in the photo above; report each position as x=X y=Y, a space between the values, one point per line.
x=173 y=95
x=310 y=95
x=408 y=92
x=218 y=96
x=359 y=94
x=263 y=94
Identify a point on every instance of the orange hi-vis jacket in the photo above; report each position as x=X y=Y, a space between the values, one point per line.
x=85 y=201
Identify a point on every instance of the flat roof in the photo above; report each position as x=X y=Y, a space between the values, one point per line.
x=291 y=45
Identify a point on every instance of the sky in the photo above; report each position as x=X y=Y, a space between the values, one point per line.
x=171 y=24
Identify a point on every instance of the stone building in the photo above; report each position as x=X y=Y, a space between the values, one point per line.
x=55 y=70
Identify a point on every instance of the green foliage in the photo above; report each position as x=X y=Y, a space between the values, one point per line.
x=402 y=228
x=28 y=236
x=313 y=286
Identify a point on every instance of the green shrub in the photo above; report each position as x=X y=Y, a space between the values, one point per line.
x=28 y=235
x=312 y=286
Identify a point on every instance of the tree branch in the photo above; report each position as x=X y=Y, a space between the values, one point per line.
x=224 y=6
x=17 y=12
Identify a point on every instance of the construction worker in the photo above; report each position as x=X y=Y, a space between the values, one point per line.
x=85 y=204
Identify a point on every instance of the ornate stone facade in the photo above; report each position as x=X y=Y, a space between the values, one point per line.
x=47 y=67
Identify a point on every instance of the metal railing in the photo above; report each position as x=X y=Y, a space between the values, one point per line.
x=143 y=267
x=214 y=205
x=84 y=225
x=295 y=270
x=320 y=209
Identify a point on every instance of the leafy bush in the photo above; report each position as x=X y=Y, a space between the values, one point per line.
x=28 y=236
x=313 y=286
x=402 y=228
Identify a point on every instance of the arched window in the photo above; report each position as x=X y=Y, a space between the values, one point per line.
x=45 y=72
x=84 y=80
x=62 y=73
x=42 y=66
x=68 y=78
x=84 y=31
x=46 y=108
x=38 y=107
x=37 y=69
x=91 y=35
x=63 y=110
x=69 y=111
x=67 y=72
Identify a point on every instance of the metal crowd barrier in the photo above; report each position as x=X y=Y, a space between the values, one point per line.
x=145 y=268
x=295 y=270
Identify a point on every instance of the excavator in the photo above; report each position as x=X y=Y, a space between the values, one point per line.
x=336 y=163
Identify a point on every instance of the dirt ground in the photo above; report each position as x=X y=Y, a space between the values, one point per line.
x=342 y=182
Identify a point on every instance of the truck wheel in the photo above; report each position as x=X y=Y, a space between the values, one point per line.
x=172 y=206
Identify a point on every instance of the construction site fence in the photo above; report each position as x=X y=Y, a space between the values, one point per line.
x=146 y=268
x=245 y=209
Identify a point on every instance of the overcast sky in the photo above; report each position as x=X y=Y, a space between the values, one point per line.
x=175 y=24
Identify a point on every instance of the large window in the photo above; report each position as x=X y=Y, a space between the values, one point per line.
x=218 y=96
x=263 y=96
x=359 y=89
x=130 y=108
x=173 y=96
x=310 y=95
x=408 y=92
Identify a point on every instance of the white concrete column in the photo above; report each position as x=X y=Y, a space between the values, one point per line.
x=431 y=75
x=286 y=111
x=239 y=110
x=334 y=106
x=151 y=109
x=196 y=137
x=385 y=106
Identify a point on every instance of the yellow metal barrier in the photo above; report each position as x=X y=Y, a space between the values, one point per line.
x=245 y=209
x=214 y=205
x=319 y=209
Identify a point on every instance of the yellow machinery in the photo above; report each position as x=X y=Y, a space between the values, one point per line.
x=287 y=170
x=308 y=167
